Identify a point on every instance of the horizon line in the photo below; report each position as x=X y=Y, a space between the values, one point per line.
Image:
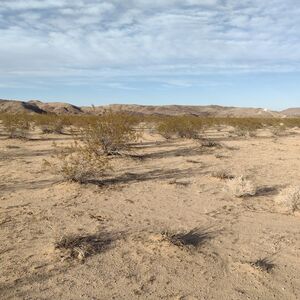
x=153 y=105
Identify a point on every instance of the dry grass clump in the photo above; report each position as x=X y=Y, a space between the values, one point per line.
x=220 y=156
x=241 y=187
x=193 y=238
x=263 y=264
x=12 y=147
x=82 y=246
x=180 y=182
x=17 y=125
x=222 y=174
x=78 y=163
x=210 y=143
x=289 y=198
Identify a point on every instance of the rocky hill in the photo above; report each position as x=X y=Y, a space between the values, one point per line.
x=292 y=112
x=35 y=106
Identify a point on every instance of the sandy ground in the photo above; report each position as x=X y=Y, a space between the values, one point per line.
x=168 y=187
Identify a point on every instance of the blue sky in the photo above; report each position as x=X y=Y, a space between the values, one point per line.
x=227 y=52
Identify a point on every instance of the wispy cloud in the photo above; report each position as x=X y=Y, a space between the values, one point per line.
x=138 y=37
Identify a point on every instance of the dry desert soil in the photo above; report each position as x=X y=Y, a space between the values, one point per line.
x=158 y=226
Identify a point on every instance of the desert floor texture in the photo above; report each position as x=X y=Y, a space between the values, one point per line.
x=241 y=248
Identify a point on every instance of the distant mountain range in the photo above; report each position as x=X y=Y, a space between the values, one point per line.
x=60 y=108
x=291 y=112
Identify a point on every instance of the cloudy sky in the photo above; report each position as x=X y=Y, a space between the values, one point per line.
x=231 y=52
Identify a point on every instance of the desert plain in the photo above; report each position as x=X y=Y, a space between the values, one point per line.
x=161 y=224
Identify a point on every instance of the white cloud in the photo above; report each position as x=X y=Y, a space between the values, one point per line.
x=144 y=37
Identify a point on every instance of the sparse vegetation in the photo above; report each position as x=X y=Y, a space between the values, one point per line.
x=17 y=125
x=279 y=130
x=208 y=143
x=81 y=247
x=51 y=123
x=182 y=127
x=180 y=182
x=186 y=126
x=171 y=189
x=192 y=126
x=193 y=238
x=78 y=163
x=264 y=264
x=241 y=187
x=100 y=137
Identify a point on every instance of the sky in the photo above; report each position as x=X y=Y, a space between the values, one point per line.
x=196 y=52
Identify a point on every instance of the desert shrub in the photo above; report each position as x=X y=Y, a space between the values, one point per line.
x=210 y=143
x=246 y=124
x=242 y=132
x=180 y=126
x=246 y=127
x=165 y=130
x=278 y=130
x=291 y=122
x=110 y=134
x=77 y=163
x=100 y=137
x=289 y=198
x=80 y=121
x=222 y=174
x=241 y=187
x=189 y=126
x=50 y=123
x=249 y=126
x=17 y=125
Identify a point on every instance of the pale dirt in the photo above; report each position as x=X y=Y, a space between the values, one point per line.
x=169 y=189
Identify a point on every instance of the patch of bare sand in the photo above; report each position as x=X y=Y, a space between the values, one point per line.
x=166 y=187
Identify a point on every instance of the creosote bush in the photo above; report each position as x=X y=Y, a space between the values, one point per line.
x=241 y=187
x=78 y=163
x=289 y=198
x=17 y=125
x=100 y=137
x=110 y=134
x=187 y=126
x=278 y=130
x=180 y=126
x=50 y=123
x=191 y=126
